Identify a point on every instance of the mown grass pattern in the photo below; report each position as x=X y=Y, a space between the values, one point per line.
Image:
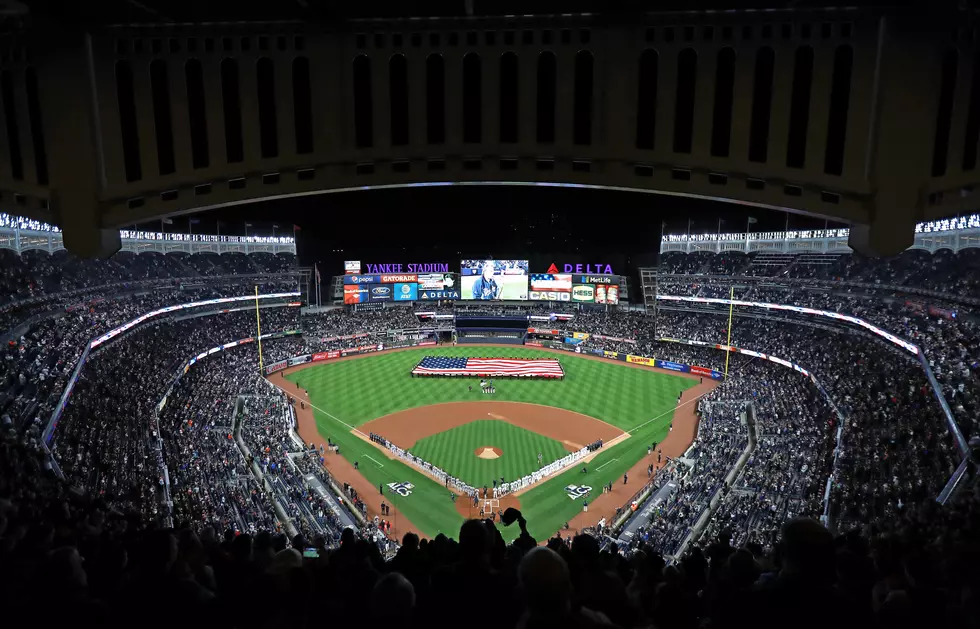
x=357 y=391
x=454 y=451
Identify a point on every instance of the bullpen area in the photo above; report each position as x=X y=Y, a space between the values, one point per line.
x=524 y=425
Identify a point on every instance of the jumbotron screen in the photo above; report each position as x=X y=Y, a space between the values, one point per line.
x=494 y=280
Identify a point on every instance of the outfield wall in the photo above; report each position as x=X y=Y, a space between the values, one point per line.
x=633 y=359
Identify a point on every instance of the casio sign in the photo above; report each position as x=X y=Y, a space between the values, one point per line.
x=550 y=295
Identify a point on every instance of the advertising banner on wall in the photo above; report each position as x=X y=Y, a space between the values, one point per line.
x=583 y=293
x=437 y=295
x=406 y=291
x=356 y=294
x=549 y=295
x=639 y=360
x=362 y=279
x=270 y=368
x=672 y=366
x=352 y=266
x=596 y=279
x=704 y=371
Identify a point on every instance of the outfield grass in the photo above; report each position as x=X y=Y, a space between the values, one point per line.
x=349 y=393
x=454 y=450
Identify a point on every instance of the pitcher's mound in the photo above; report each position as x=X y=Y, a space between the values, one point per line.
x=489 y=453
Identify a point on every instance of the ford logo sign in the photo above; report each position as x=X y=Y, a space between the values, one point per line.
x=381 y=290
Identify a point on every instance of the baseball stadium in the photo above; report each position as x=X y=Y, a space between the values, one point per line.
x=482 y=439
x=472 y=314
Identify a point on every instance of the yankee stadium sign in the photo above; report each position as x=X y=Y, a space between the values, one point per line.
x=416 y=267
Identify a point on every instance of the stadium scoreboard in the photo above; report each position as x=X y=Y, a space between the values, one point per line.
x=483 y=280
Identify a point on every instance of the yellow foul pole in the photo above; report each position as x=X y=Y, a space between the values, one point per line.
x=728 y=354
x=258 y=329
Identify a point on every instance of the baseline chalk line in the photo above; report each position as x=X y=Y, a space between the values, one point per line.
x=368 y=456
x=605 y=464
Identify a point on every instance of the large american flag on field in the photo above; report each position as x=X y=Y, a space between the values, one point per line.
x=489 y=367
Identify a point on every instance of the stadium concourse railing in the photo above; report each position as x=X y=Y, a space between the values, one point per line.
x=958 y=437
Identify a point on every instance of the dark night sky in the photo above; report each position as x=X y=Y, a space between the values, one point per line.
x=449 y=223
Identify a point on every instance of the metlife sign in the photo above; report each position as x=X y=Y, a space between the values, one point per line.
x=597 y=279
x=436 y=295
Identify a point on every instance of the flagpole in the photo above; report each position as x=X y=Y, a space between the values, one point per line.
x=728 y=343
x=258 y=328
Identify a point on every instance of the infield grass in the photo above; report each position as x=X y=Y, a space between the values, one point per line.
x=348 y=393
x=454 y=450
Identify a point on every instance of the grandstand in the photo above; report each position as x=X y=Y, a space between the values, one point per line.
x=840 y=423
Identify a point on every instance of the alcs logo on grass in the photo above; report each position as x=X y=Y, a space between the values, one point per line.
x=402 y=489
x=577 y=491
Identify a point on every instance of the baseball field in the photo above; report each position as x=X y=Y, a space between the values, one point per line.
x=478 y=437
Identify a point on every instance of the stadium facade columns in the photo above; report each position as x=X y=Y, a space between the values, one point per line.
x=856 y=115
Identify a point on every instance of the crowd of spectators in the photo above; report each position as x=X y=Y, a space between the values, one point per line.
x=220 y=448
x=340 y=322
x=36 y=273
x=944 y=271
x=105 y=567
